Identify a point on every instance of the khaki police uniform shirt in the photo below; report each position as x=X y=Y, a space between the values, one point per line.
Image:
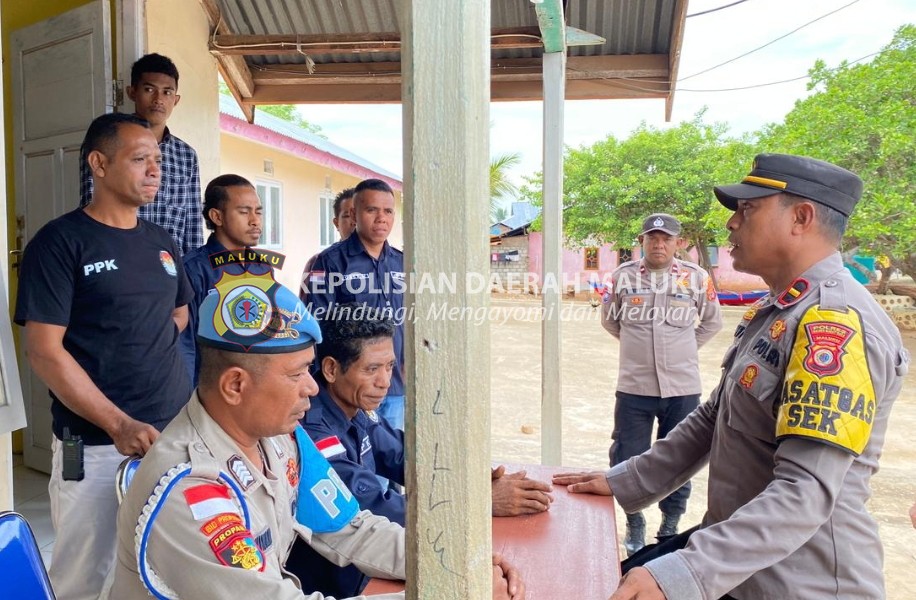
x=792 y=435
x=661 y=319
x=208 y=554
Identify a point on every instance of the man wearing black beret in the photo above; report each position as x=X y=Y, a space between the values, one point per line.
x=793 y=432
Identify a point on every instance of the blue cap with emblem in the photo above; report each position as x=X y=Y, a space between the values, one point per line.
x=255 y=314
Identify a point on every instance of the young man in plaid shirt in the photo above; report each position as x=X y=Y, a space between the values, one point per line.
x=154 y=91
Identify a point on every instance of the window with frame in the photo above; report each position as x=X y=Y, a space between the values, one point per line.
x=624 y=255
x=271 y=228
x=327 y=233
x=591 y=258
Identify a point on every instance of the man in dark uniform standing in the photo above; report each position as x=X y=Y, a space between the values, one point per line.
x=232 y=210
x=366 y=269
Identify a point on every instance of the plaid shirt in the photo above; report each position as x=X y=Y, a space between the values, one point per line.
x=177 y=206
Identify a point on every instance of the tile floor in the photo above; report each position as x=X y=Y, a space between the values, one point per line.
x=30 y=499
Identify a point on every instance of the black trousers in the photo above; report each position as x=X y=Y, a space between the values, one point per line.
x=653 y=551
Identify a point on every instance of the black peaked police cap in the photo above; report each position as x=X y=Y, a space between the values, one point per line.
x=817 y=180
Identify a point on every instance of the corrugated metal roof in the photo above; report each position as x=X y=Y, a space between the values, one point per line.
x=647 y=29
x=228 y=106
x=629 y=26
x=314 y=17
x=523 y=213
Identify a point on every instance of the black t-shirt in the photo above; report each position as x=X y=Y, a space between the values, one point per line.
x=115 y=291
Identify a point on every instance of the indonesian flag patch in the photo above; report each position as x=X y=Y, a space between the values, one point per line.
x=209 y=500
x=330 y=446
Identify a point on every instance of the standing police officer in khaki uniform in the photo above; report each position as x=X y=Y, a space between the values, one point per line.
x=793 y=432
x=662 y=310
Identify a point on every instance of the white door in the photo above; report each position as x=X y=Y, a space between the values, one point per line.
x=61 y=80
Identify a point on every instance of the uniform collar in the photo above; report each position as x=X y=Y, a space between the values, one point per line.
x=223 y=448
x=801 y=286
x=674 y=270
x=213 y=246
x=354 y=246
x=334 y=415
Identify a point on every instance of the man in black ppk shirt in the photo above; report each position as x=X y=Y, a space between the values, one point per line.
x=103 y=297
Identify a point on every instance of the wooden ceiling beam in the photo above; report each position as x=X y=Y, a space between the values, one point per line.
x=674 y=55
x=516 y=69
x=500 y=91
x=275 y=45
x=233 y=68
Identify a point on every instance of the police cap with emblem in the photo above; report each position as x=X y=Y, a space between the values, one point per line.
x=255 y=314
x=661 y=222
x=810 y=178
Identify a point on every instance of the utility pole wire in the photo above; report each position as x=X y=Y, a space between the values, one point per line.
x=731 y=60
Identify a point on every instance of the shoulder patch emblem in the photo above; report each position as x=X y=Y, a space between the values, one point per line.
x=826 y=347
x=710 y=290
x=828 y=394
x=218 y=522
x=209 y=500
x=239 y=551
x=240 y=471
x=330 y=446
x=749 y=314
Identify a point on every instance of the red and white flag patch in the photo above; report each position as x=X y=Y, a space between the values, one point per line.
x=330 y=446
x=209 y=500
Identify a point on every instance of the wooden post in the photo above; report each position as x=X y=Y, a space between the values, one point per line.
x=554 y=68
x=446 y=93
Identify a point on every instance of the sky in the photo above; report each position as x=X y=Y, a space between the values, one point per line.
x=858 y=30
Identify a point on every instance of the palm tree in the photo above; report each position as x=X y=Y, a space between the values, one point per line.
x=498 y=213
x=500 y=184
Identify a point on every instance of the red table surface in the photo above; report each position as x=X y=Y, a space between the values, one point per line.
x=570 y=551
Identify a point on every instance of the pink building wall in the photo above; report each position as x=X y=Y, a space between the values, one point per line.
x=574 y=272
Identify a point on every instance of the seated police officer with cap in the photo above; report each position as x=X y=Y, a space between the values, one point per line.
x=793 y=432
x=218 y=500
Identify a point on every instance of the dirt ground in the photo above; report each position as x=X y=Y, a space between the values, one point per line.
x=589 y=379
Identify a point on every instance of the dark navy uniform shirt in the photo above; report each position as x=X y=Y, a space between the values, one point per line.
x=358 y=449
x=345 y=272
x=202 y=277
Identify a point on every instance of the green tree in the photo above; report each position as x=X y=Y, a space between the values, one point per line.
x=863 y=117
x=500 y=184
x=611 y=186
x=287 y=112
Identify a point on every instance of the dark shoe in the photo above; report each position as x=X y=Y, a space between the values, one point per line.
x=668 y=527
x=636 y=533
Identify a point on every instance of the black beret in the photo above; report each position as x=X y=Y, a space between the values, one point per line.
x=810 y=178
